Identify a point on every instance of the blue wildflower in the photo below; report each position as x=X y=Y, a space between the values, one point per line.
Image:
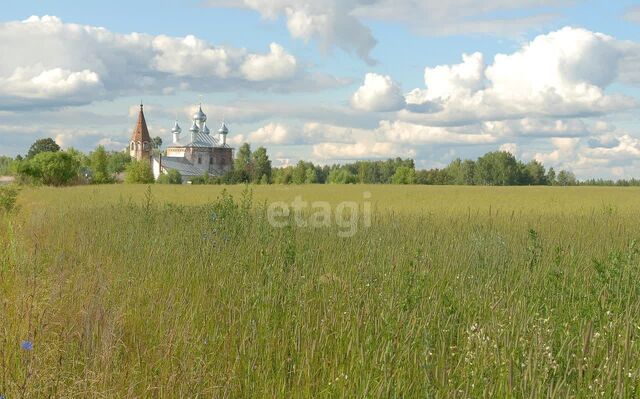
x=214 y=216
x=27 y=345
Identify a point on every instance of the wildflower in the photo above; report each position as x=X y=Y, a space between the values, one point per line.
x=214 y=217
x=26 y=345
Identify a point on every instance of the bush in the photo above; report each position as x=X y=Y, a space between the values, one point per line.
x=8 y=197
x=172 y=177
x=49 y=168
x=139 y=172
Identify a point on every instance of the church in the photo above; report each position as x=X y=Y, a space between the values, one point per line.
x=193 y=154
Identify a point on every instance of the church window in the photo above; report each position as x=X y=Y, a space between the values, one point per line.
x=199 y=160
x=210 y=160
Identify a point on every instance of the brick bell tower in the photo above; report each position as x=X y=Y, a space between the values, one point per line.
x=140 y=145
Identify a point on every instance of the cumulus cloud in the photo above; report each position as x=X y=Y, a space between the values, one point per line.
x=378 y=93
x=339 y=22
x=330 y=22
x=272 y=133
x=410 y=133
x=559 y=74
x=361 y=150
x=275 y=65
x=56 y=63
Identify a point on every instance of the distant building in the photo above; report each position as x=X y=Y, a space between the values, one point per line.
x=192 y=155
x=140 y=146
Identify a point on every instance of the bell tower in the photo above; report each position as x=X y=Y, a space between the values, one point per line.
x=140 y=145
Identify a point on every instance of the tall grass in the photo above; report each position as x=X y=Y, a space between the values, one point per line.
x=493 y=296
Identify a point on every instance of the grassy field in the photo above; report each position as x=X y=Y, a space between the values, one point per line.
x=124 y=291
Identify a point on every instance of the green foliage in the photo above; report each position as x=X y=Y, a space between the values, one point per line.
x=49 y=168
x=243 y=159
x=260 y=165
x=156 y=143
x=100 y=166
x=404 y=175
x=139 y=172
x=341 y=176
x=8 y=197
x=42 y=145
x=118 y=161
x=171 y=177
x=6 y=166
x=499 y=168
x=566 y=178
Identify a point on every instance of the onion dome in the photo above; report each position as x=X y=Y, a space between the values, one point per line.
x=194 y=128
x=176 y=129
x=200 y=116
x=223 y=129
x=205 y=129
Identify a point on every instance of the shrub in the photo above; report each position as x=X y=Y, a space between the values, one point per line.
x=49 y=168
x=172 y=177
x=8 y=197
x=139 y=172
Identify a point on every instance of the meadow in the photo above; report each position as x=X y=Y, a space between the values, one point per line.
x=189 y=291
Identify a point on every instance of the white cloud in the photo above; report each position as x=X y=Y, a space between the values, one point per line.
x=53 y=63
x=378 y=93
x=410 y=133
x=330 y=22
x=273 y=133
x=361 y=150
x=339 y=22
x=275 y=65
x=36 y=83
x=511 y=148
x=560 y=74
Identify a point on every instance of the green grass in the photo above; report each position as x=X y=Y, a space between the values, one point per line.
x=452 y=292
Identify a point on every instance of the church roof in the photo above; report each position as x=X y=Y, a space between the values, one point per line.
x=141 y=132
x=182 y=165
x=200 y=140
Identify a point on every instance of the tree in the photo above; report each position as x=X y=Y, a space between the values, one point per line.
x=42 y=145
x=498 y=168
x=342 y=176
x=156 y=143
x=535 y=173
x=261 y=165
x=551 y=177
x=566 y=178
x=299 y=175
x=139 y=172
x=118 y=162
x=404 y=175
x=5 y=165
x=243 y=158
x=235 y=177
x=50 y=168
x=311 y=176
x=100 y=166
x=171 y=177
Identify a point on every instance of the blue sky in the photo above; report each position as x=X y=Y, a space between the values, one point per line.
x=333 y=81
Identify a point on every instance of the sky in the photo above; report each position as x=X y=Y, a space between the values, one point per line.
x=333 y=81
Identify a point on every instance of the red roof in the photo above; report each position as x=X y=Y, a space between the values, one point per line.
x=141 y=132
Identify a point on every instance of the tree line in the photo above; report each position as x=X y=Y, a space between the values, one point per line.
x=46 y=163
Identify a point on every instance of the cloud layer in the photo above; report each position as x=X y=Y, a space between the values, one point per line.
x=77 y=64
x=340 y=22
x=561 y=74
